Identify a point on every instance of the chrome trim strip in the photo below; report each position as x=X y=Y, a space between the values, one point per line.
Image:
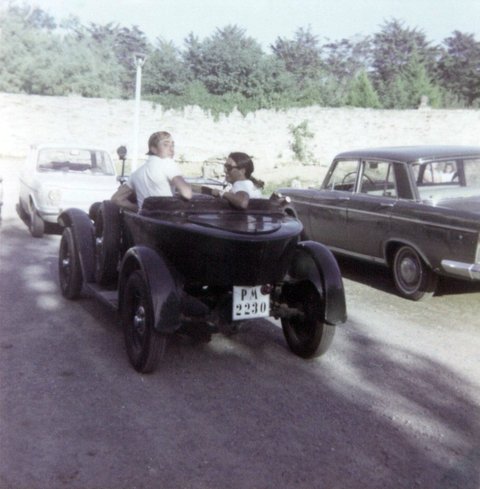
x=360 y=256
x=464 y=270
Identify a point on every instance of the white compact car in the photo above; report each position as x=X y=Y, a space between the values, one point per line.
x=56 y=177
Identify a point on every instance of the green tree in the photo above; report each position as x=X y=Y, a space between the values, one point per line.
x=362 y=93
x=226 y=62
x=301 y=56
x=124 y=42
x=35 y=59
x=164 y=71
x=459 y=66
x=89 y=68
x=31 y=16
x=393 y=48
x=28 y=55
x=418 y=83
x=343 y=61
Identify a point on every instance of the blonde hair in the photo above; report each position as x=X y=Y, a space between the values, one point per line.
x=155 y=138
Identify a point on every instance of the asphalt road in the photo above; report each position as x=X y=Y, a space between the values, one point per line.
x=393 y=404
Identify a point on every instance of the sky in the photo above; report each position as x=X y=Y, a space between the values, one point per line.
x=266 y=20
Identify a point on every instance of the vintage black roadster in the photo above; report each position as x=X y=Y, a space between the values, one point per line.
x=181 y=264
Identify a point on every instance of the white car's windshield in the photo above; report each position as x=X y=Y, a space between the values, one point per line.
x=95 y=162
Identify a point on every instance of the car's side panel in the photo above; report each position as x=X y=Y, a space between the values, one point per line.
x=435 y=232
x=368 y=223
x=324 y=215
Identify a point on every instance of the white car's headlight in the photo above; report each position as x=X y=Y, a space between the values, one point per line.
x=54 y=196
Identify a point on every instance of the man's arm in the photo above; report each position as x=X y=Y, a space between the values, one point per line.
x=237 y=199
x=122 y=198
x=183 y=187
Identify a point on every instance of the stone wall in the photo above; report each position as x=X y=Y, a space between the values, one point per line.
x=264 y=134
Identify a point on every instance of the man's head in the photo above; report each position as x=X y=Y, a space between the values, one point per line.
x=161 y=144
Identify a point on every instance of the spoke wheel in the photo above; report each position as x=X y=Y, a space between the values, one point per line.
x=413 y=279
x=145 y=346
x=107 y=243
x=69 y=271
x=306 y=333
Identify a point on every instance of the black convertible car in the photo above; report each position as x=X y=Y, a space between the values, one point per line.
x=178 y=266
x=415 y=209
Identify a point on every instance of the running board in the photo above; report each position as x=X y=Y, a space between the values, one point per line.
x=107 y=296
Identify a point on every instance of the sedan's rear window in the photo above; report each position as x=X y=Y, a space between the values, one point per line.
x=472 y=172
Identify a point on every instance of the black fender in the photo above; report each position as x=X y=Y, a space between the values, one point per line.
x=83 y=233
x=315 y=262
x=162 y=283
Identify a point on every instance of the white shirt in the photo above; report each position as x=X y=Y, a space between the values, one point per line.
x=153 y=178
x=248 y=187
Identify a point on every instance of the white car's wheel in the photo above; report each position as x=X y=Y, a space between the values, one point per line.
x=36 y=224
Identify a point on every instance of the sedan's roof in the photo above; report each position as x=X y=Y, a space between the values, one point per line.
x=412 y=153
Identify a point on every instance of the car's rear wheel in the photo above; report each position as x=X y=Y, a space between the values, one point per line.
x=107 y=243
x=145 y=346
x=36 y=224
x=413 y=279
x=306 y=333
x=69 y=270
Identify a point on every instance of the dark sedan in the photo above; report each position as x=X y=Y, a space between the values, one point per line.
x=415 y=209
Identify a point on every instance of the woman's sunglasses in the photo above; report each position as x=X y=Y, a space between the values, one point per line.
x=229 y=167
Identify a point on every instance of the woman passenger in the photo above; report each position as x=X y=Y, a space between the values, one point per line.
x=238 y=172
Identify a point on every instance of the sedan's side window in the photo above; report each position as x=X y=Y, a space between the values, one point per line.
x=378 y=179
x=343 y=176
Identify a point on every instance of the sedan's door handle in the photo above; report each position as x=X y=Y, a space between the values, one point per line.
x=385 y=204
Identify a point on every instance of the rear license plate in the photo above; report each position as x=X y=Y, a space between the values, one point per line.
x=249 y=303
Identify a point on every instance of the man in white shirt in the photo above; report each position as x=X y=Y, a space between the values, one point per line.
x=156 y=177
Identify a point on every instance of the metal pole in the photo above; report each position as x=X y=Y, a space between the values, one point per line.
x=139 y=60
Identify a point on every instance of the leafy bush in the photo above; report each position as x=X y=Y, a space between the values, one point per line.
x=299 y=145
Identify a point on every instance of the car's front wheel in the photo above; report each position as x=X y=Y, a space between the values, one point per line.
x=36 y=223
x=413 y=279
x=69 y=270
x=145 y=346
x=307 y=335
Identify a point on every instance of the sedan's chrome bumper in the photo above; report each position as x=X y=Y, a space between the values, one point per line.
x=469 y=271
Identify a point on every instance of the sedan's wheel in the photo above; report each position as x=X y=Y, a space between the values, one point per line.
x=413 y=279
x=306 y=333
x=36 y=224
x=145 y=346
x=69 y=271
x=107 y=243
